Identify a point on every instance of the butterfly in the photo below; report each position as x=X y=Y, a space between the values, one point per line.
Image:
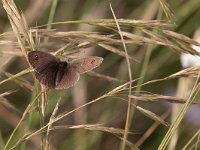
x=54 y=73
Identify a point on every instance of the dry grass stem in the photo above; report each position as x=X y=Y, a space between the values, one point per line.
x=130 y=79
x=5 y=102
x=47 y=145
x=104 y=77
x=168 y=12
x=122 y=22
x=157 y=97
x=117 y=51
x=19 y=25
x=188 y=72
x=153 y=116
x=44 y=100
x=23 y=72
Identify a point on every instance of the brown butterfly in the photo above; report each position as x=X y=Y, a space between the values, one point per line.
x=53 y=73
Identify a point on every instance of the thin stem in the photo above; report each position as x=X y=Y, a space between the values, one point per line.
x=197 y=143
x=130 y=84
x=51 y=16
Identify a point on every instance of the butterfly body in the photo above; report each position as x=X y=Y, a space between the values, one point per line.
x=61 y=70
x=53 y=73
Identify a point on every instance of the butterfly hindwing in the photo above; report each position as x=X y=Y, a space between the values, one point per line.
x=70 y=77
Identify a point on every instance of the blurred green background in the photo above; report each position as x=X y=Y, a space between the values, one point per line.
x=111 y=111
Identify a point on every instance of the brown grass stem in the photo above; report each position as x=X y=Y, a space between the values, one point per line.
x=130 y=79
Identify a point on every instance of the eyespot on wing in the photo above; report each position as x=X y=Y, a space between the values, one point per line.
x=39 y=60
x=83 y=65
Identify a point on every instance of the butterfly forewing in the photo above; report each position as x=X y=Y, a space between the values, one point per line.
x=48 y=75
x=40 y=60
x=86 y=64
x=46 y=67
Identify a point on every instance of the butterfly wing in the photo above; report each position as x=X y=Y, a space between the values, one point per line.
x=75 y=68
x=47 y=76
x=86 y=64
x=70 y=77
x=46 y=67
x=40 y=60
